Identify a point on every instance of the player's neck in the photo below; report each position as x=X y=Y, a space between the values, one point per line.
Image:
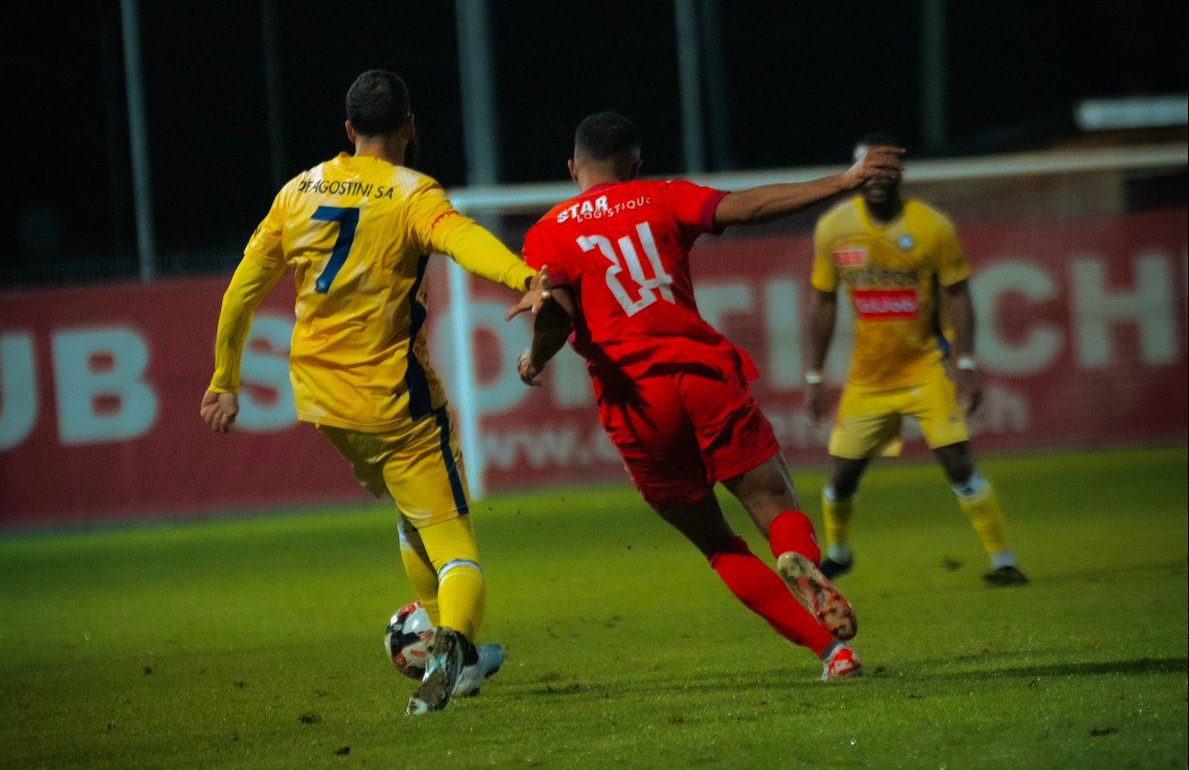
x=587 y=181
x=883 y=212
x=388 y=148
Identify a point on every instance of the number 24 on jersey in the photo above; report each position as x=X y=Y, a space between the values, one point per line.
x=627 y=256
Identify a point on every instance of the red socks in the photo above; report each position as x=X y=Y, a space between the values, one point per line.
x=764 y=593
x=793 y=531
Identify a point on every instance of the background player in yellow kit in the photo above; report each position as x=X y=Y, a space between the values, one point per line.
x=904 y=272
x=357 y=231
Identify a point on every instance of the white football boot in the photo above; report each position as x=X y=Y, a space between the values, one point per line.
x=446 y=649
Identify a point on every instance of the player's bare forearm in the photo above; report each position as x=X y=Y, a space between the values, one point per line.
x=821 y=332
x=769 y=202
x=551 y=327
x=961 y=312
x=773 y=201
x=967 y=378
x=822 y=312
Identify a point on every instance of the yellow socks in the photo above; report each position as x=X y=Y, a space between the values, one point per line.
x=836 y=516
x=462 y=595
x=461 y=588
x=979 y=502
x=419 y=569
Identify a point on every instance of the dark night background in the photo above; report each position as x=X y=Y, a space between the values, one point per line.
x=801 y=80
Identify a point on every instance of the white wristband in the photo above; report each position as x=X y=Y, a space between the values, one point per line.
x=813 y=378
x=967 y=363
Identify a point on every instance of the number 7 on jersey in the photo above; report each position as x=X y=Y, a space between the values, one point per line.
x=348 y=219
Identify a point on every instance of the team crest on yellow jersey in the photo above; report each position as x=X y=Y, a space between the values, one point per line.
x=850 y=257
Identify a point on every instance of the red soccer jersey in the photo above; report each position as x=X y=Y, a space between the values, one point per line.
x=624 y=251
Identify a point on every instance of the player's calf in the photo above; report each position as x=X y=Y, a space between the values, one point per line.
x=977 y=499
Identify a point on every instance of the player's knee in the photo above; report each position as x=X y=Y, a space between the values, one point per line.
x=845 y=477
x=957 y=462
x=764 y=487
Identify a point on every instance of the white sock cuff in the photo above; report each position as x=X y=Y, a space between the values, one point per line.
x=1003 y=559
x=839 y=552
x=450 y=566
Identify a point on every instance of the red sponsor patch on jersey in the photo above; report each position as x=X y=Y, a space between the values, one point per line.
x=850 y=257
x=887 y=304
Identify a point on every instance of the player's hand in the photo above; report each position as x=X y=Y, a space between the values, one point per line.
x=970 y=389
x=815 y=403
x=880 y=162
x=527 y=370
x=219 y=410
x=535 y=296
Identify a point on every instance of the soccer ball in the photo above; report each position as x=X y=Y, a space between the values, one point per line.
x=408 y=632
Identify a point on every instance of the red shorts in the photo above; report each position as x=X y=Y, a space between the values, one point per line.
x=681 y=431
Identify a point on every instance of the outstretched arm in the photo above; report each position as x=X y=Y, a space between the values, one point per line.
x=436 y=226
x=773 y=201
x=478 y=251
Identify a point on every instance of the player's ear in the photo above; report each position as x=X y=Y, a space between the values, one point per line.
x=350 y=130
x=410 y=127
x=634 y=171
x=573 y=167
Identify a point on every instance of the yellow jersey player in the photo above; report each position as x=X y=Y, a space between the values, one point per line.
x=357 y=232
x=902 y=265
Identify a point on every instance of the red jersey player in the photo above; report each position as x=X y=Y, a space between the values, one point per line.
x=672 y=392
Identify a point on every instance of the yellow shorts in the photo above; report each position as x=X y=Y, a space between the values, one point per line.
x=869 y=420
x=419 y=465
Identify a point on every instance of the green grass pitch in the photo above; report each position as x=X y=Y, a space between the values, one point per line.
x=256 y=643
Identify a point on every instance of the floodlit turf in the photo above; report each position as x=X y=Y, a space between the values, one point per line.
x=257 y=643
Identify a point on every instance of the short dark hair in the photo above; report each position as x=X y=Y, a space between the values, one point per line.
x=608 y=136
x=377 y=103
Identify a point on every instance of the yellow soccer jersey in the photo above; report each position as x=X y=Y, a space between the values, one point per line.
x=892 y=275
x=357 y=232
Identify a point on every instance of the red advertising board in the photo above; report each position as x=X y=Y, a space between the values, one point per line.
x=99 y=414
x=1082 y=338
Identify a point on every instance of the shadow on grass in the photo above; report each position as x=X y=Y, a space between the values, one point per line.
x=778 y=680
x=1091 y=668
x=1160 y=569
